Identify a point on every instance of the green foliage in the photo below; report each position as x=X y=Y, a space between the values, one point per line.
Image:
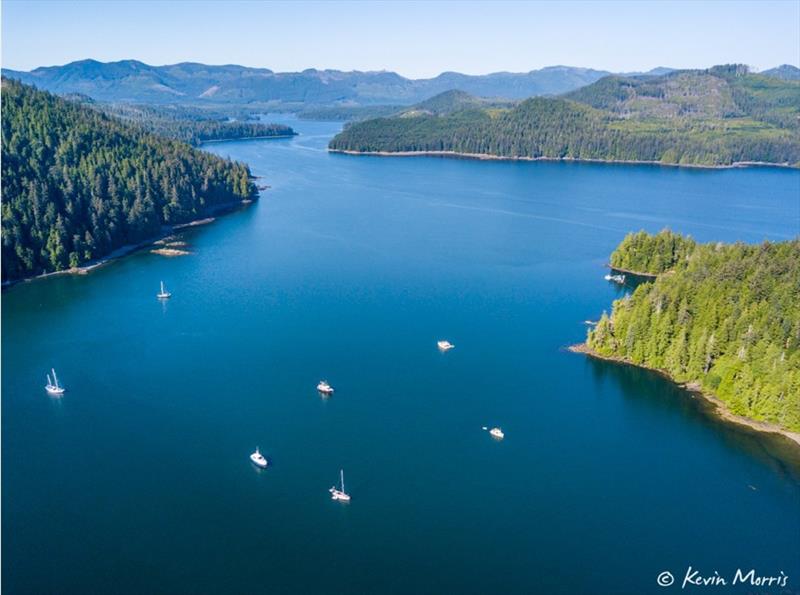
x=716 y=117
x=652 y=254
x=77 y=184
x=725 y=316
x=192 y=125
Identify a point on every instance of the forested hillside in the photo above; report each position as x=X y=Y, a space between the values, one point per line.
x=716 y=117
x=77 y=184
x=724 y=316
x=192 y=125
x=644 y=253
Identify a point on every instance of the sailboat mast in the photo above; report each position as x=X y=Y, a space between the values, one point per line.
x=55 y=378
x=341 y=471
x=49 y=382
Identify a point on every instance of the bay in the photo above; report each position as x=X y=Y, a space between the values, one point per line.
x=350 y=269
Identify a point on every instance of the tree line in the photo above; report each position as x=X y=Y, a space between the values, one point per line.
x=78 y=184
x=192 y=125
x=724 y=316
x=564 y=129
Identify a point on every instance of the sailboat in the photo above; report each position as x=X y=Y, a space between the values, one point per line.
x=163 y=294
x=340 y=495
x=52 y=387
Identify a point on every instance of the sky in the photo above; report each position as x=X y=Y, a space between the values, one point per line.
x=415 y=39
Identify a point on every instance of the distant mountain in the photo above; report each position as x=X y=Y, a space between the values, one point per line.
x=721 y=92
x=720 y=116
x=192 y=83
x=453 y=101
x=786 y=72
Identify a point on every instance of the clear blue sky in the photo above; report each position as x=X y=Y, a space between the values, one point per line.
x=413 y=38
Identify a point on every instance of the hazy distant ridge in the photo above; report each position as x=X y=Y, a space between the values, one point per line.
x=133 y=81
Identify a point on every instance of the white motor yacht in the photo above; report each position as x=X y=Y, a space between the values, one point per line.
x=258 y=459
x=324 y=387
x=497 y=433
x=445 y=345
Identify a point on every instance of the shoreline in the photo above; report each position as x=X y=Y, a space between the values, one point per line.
x=490 y=157
x=228 y=140
x=720 y=409
x=166 y=230
x=634 y=273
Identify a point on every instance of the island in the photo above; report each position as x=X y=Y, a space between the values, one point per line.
x=193 y=125
x=720 y=117
x=79 y=185
x=723 y=319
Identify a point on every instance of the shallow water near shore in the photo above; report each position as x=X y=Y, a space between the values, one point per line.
x=350 y=269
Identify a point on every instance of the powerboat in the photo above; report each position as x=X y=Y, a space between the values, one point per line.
x=445 y=345
x=497 y=433
x=324 y=387
x=258 y=459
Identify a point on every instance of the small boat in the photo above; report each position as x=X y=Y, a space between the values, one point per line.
x=52 y=387
x=590 y=322
x=324 y=387
x=340 y=495
x=163 y=294
x=258 y=459
x=445 y=345
x=497 y=433
x=615 y=278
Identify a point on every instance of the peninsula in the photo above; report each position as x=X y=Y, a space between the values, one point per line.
x=79 y=185
x=722 y=319
x=720 y=117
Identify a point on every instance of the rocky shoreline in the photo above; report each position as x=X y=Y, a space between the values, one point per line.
x=720 y=408
x=490 y=157
x=166 y=231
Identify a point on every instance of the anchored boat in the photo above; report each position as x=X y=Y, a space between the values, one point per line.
x=52 y=387
x=324 y=387
x=337 y=494
x=258 y=459
x=497 y=433
x=445 y=345
x=163 y=294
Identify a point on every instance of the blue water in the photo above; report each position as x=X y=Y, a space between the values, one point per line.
x=350 y=269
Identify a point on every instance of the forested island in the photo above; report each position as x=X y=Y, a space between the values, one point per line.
x=193 y=125
x=722 y=318
x=716 y=117
x=78 y=184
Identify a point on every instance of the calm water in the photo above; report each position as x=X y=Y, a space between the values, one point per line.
x=350 y=269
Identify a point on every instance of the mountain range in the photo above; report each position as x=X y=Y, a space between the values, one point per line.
x=715 y=117
x=192 y=83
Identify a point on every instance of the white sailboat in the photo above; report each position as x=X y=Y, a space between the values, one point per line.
x=340 y=495
x=163 y=294
x=258 y=459
x=52 y=387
